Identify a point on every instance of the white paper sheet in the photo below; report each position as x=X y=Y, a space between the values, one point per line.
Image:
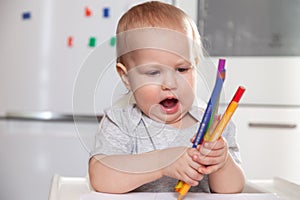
x=189 y=196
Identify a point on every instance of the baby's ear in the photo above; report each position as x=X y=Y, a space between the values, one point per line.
x=122 y=71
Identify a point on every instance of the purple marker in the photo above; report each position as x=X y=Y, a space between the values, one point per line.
x=221 y=65
x=221 y=68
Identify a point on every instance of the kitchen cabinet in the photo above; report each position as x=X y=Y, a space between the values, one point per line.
x=269 y=141
x=268 y=117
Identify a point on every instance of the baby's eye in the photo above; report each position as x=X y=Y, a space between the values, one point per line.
x=182 y=69
x=153 y=73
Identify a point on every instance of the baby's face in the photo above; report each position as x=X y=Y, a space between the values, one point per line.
x=162 y=83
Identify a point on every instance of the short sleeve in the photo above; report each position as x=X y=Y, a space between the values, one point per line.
x=111 y=139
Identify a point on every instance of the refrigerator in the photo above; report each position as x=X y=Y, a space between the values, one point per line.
x=46 y=126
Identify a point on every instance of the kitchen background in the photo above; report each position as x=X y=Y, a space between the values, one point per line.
x=44 y=44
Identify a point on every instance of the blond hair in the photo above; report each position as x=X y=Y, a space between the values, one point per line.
x=158 y=14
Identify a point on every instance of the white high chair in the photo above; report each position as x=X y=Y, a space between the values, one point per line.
x=68 y=188
x=71 y=188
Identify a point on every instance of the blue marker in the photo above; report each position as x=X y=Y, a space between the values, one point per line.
x=208 y=112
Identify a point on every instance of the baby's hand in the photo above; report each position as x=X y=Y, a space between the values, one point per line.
x=213 y=156
x=185 y=168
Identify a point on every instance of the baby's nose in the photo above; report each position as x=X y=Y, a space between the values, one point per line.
x=170 y=81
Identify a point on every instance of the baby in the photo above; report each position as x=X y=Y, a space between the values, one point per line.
x=146 y=146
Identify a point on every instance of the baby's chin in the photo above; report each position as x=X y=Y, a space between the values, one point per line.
x=176 y=119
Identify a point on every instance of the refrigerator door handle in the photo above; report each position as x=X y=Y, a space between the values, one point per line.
x=50 y=116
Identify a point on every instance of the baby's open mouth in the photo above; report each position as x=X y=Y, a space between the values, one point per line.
x=169 y=103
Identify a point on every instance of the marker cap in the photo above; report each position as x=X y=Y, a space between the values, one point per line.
x=238 y=94
x=221 y=65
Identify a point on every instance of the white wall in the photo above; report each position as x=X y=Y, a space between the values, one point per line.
x=189 y=6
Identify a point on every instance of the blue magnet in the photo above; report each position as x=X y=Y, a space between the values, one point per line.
x=106 y=12
x=26 y=15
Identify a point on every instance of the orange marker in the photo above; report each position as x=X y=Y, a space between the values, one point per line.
x=182 y=190
x=226 y=117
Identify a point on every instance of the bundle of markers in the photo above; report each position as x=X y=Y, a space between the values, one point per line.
x=208 y=117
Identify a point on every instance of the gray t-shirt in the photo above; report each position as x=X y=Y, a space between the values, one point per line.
x=128 y=131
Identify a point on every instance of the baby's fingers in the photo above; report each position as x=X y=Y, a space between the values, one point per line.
x=192 y=177
x=192 y=140
x=209 y=169
x=219 y=144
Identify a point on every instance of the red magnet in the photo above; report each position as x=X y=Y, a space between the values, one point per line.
x=70 y=41
x=88 y=12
